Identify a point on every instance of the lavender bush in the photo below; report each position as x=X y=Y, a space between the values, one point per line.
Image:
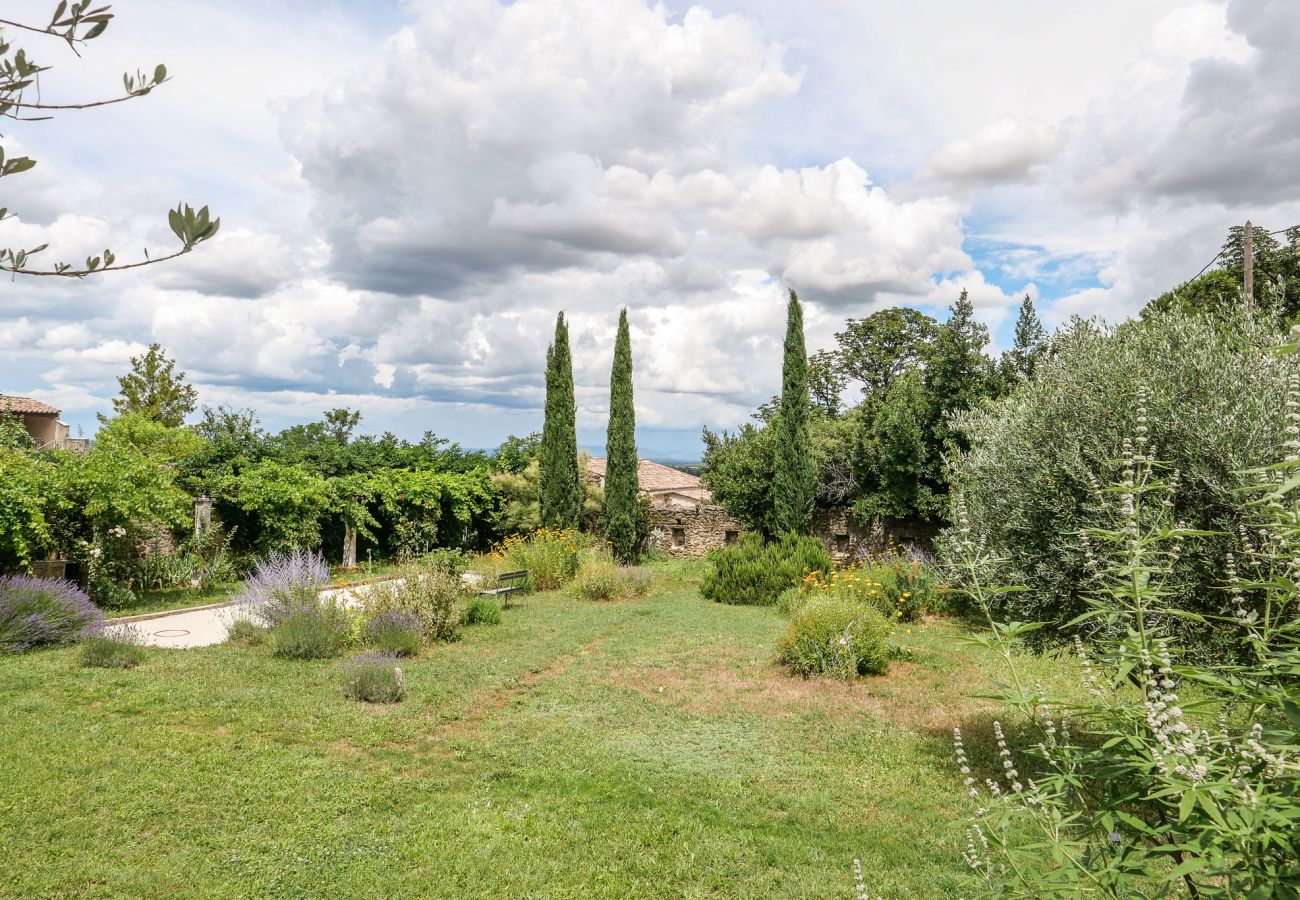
x=39 y=611
x=282 y=585
x=398 y=631
x=121 y=648
x=374 y=677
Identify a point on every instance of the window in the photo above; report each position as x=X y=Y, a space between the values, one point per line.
x=679 y=537
x=841 y=543
x=732 y=537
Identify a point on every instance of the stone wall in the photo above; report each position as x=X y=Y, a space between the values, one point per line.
x=846 y=540
x=691 y=531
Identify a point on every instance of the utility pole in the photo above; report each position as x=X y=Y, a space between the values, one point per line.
x=1248 y=250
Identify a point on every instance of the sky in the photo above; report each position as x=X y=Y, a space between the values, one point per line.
x=410 y=192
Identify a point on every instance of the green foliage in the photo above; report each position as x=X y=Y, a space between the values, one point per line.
x=624 y=525
x=121 y=648
x=24 y=483
x=1029 y=345
x=895 y=466
x=755 y=572
x=1031 y=478
x=560 y=494
x=13 y=433
x=154 y=390
x=396 y=631
x=549 y=555
x=600 y=578
x=244 y=632
x=794 y=482
x=319 y=630
x=877 y=350
x=516 y=453
x=374 y=677
x=738 y=470
x=434 y=595
x=958 y=376
x=519 y=507
x=288 y=501
x=1176 y=770
x=482 y=611
x=835 y=636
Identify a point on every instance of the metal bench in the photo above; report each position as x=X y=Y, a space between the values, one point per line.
x=508 y=583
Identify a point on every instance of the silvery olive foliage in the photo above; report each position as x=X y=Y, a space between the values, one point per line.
x=1165 y=773
x=76 y=24
x=1215 y=395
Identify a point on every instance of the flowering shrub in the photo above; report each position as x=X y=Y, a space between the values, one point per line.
x=835 y=636
x=121 y=648
x=398 y=631
x=1133 y=789
x=549 y=554
x=374 y=677
x=317 y=630
x=283 y=584
x=245 y=633
x=435 y=597
x=36 y=611
x=752 y=571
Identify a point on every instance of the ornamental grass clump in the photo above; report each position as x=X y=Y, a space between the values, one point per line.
x=1138 y=789
x=834 y=636
x=399 y=631
x=756 y=572
x=482 y=611
x=600 y=578
x=37 y=612
x=122 y=647
x=246 y=633
x=283 y=585
x=374 y=677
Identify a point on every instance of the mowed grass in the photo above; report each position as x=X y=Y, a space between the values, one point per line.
x=649 y=748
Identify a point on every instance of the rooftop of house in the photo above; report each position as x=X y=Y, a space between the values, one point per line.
x=655 y=478
x=13 y=404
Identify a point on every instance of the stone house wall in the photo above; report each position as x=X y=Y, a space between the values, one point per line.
x=683 y=531
x=846 y=540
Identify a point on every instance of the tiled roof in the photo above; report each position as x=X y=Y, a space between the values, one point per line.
x=655 y=478
x=12 y=404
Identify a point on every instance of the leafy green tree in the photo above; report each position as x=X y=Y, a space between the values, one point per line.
x=154 y=389
x=340 y=423
x=958 y=376
x=896 y=470
x=794 y=482
x=287 y=501
x=1030 y=344
x=624 y=525
x=76 y=23
x=875 y=350
x=826 y=382
x=1219 y=291
x=24 y=482
x=561 y=494
x=516 y=453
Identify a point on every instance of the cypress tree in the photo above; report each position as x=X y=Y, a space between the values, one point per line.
x=622 y=507
x=794 y=479
x=559 y=492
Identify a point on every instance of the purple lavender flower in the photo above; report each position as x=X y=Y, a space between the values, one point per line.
x=282 y=584
x=36 y=611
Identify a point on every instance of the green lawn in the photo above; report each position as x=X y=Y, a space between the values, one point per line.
x=642 y=749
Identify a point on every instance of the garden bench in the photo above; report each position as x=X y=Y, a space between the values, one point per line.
x=508 y=583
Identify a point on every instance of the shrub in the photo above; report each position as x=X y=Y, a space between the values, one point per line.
x=398 y=631
x=751 y=571
x=1154 y=796
x=1038 y=456
x=36 y=611
x=245 y=633
x=599 y=579
x=374 y=677
x=436 y=597
x=835 y=636
x=283 y=585
x=791 y=599
x=119 y=648
x=550 y=555
x=482 y=611
x=317 y=630
x=451 y=560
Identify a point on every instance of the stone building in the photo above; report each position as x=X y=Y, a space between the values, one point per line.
x=42 y=422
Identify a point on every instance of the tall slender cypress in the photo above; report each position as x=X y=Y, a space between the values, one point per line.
x=622 y=507
x=560 y=495
x=794 y=481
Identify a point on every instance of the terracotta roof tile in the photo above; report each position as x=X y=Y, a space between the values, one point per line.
x=12 y=404
x=655 y=478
